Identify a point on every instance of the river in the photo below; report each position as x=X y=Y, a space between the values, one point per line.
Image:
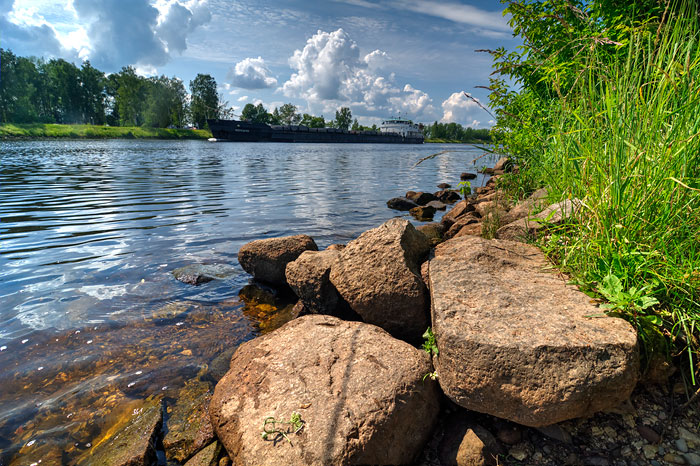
x=90 y=231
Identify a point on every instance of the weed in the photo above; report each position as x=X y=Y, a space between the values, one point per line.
x=430 y=344
x=465 y=188
x=280 y=429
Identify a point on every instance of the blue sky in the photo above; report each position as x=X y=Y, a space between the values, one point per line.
x=379 y=57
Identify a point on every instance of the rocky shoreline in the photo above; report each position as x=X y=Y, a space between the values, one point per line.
x=516 y=367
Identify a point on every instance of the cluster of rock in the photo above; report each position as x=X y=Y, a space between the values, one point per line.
x=344 y=383
x=423 y=205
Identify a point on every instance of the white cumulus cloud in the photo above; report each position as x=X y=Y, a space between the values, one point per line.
x=251 y=73
x=330 y=72
x=457 y=108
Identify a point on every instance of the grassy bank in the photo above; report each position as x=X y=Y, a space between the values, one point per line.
x=620 y=130
x=50 y=131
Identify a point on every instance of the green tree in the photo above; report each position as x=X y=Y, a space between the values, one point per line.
x=130 y=98
x=255 y=114
x=288 y=114
x=205 y=100
x=93 y=94
x=312 y=121
x=343 y=118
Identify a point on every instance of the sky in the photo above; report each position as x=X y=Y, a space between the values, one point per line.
x=381 y=58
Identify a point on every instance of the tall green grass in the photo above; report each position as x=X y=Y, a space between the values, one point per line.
x=626 y=142
x=45 y=130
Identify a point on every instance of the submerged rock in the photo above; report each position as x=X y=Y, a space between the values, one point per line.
x=189 y=428
x=444 y=186
x=423 y=213
x=437 y=205
x=129 y=441
x=401 y=203
x=518 y=343
x=378 y=275
x=359 y=405
x=209 y=456
x=467 y=176
x=196 y=274
x=266 y=259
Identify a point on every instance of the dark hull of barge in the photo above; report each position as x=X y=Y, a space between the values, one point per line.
x=243 y=131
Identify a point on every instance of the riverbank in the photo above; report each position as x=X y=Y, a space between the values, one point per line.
x=453 y=141
x=10 y=131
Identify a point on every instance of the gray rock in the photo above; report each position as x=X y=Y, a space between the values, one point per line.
x=437 y=205
x=378 y=275
x=130 y=441
x=359 y=391
x=525 y=228
x=681 y=445
x=525 y=207
x=516 y=342
x=401 y=203
x=266 y=259
x=693 y=459
x=196 y=274
x=309 y=275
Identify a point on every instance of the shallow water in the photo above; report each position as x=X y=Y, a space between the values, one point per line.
x=90 y=314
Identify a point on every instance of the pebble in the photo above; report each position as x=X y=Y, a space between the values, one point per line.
x=596 y=461
x=692 y=439
x=518 y=452
x=509 y=436
x=681 y=445
x=654 y=463
x=670 y=458
x=650 y=451
x=693 y=459
x=648 y=434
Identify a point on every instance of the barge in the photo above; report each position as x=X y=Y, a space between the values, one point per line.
x=392 y=131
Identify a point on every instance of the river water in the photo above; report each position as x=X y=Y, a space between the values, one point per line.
x=90 y=231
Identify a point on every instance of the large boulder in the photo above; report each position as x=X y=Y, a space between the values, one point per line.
x=423 y=213
x=459 y=209
x=130 y=440
x=433 y=231
x=528 y=227
x=359 y=392
x=447 y=196
x=266 y=259
x=378 y=275
x=308 y=276
x=518 y=343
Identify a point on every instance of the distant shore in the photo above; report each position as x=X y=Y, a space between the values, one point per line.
x=452 y=141
x=10 y=131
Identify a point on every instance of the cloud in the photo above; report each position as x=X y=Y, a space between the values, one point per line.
x=330 y=72
x=134 y=32
x=28 y=36
x=457 y=108
x=251 y=73
x=458 y=13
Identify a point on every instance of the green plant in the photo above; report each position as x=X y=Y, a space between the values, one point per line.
x=464 y=188
x=433 y=375
x=634 y=302
x=430 y=344
x=282 y=428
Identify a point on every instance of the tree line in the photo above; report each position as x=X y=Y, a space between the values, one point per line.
x=33 y=90
x=456 y=132
x=287 y=114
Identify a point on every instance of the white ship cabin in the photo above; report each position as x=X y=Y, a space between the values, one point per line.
x=405 y=128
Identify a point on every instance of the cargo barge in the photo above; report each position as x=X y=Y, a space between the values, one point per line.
x=392 y=131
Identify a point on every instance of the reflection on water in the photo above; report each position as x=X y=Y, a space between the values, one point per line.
x=90 y=315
